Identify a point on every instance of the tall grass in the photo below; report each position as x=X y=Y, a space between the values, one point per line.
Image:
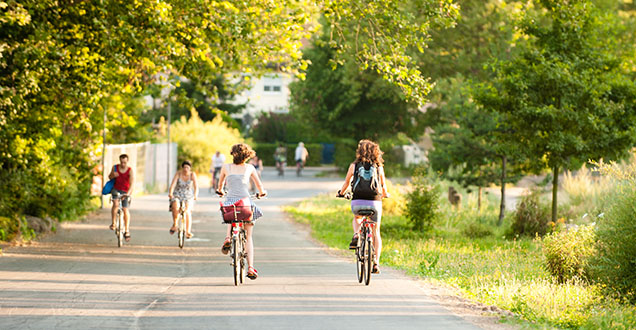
x=492 y=270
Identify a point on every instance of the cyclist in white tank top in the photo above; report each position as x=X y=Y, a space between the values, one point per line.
x=236 y=178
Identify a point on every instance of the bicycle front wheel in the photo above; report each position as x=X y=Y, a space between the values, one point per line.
x=236 y=260
x=181 y=233
x=119 y=231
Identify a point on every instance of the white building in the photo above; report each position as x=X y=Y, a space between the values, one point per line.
x=268 y=93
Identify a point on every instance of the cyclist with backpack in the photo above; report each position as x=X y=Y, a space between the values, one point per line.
x=366 y=179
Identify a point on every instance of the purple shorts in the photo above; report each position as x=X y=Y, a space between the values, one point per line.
x=363 y=204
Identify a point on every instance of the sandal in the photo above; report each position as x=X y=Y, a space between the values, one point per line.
x=127 y=237
x=252 y=274
x=173 y=229
x=112 y=226
x=354 y=242
x=226 y=245
x=189 y=235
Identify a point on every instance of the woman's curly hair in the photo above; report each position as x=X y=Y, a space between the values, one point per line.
x=241 y=152
x=369 y=152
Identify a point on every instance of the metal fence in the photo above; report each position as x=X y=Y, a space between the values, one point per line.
x=149 y=161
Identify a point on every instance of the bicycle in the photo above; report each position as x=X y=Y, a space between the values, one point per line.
x=119 y=219
x=181 y=225
x=238 y=241
x=365 y=251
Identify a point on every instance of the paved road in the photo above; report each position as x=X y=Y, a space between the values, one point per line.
x=78 y=278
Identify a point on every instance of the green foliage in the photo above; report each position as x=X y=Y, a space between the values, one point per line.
x=8 y=229
x=275 y=127
x=567 y=253
x=476 y=230
x=198 y=140
x=531 y=217
x=614 y=264
x=491 y=270
x=350 y=103
x=403 y=29
x=567 y=95
x=396 y=204
x=266 y=152
x=422 y=203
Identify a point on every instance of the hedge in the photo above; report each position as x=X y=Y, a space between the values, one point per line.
x=265 y=152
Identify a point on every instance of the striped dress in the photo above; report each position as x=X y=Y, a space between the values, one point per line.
x=238 y=188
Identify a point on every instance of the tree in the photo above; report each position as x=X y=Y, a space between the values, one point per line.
x=60 y=60
x=470 y=144
x=348 y=103
x=567 y=96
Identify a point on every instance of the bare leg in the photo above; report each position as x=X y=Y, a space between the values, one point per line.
x=113 y=211
x=175 y=213
x=126 y=220
x=188 y=220
x=377 y=243
x=249 y=248
x=357 y=221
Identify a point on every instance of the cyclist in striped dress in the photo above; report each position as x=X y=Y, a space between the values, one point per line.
x=236 y=178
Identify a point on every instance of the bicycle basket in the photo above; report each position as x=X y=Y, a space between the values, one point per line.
x=236 y=212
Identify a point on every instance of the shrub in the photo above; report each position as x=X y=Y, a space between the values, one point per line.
x=530 y=218
x=422 y=203
x=567 y=253
x=199 y=140
x=476 y=230
x=615 y=263
x=396 y=203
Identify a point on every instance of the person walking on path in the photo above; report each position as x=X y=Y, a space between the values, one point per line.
x=300 y=156
x=124 y=182
x=184 y=187
x=236 y=177
x=218 y=159
x=280 y=156
x=367 y=195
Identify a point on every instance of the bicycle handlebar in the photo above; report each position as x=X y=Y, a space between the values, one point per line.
x=257 y=195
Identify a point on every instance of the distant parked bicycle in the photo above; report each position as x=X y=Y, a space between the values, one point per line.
x=119 y=218
x=365 y=251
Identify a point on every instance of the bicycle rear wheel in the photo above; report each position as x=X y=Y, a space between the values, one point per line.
x=119 y=229
x=236 y=260
x=243 y=259
x=368 y=260
x=181 y=233
x=360 y=258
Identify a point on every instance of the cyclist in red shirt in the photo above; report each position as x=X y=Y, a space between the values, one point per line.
x=124 y=179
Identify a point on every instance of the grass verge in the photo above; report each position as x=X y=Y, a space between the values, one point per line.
x=489 y=269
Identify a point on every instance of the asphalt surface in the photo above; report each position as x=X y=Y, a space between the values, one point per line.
x=79 y=279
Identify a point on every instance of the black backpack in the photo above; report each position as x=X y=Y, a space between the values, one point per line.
x=365 y=181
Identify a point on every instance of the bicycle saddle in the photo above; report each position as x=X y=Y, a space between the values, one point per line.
x=366 y=212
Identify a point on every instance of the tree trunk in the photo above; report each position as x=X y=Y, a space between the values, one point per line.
x=555 y=188
x=479 y=201
x=502 y=206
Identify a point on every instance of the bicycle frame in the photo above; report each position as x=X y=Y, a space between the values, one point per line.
x=181 y=223
x=365 y=251
x=119 y=221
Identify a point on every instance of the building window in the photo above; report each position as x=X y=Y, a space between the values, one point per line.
x=272 y=84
